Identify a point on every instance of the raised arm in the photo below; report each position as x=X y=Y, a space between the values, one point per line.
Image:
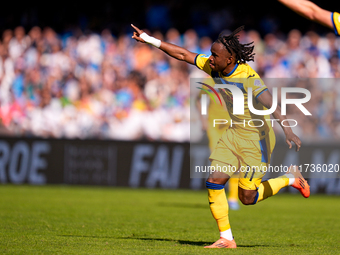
x=310 y=11
x=170 y=49
x=266 y=99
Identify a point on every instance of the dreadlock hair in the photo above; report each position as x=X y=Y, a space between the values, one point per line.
x=243 y=52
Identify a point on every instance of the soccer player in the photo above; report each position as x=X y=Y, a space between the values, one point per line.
x=241 y=147
x=313 y=12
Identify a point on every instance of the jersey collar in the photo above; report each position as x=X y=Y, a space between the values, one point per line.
x=232 y=71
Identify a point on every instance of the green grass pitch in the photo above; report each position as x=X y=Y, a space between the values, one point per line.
x=99 y=220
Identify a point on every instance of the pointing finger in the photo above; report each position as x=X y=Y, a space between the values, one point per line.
x=136 y=28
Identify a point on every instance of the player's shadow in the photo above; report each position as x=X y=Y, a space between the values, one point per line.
x=183 y=242
x=197 y=243
x=200 y=243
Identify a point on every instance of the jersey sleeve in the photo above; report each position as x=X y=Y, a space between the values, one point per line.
x=257 y=85
x=336 y=22
x=202 y=62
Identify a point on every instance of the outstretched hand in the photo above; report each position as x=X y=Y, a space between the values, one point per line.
x=137 y=33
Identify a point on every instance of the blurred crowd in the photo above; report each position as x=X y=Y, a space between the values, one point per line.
x=111 y=87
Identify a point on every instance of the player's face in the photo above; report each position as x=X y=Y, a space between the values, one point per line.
x=220 y=57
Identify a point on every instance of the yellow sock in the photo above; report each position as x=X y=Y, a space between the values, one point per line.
x=271 y=187
x=233 y=188
x=218 y=205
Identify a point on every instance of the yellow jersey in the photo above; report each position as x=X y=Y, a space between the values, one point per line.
x=248 y=125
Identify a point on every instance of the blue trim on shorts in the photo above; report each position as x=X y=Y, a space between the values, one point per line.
x=256 y=198
x=264 y=151
x=211 y=185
